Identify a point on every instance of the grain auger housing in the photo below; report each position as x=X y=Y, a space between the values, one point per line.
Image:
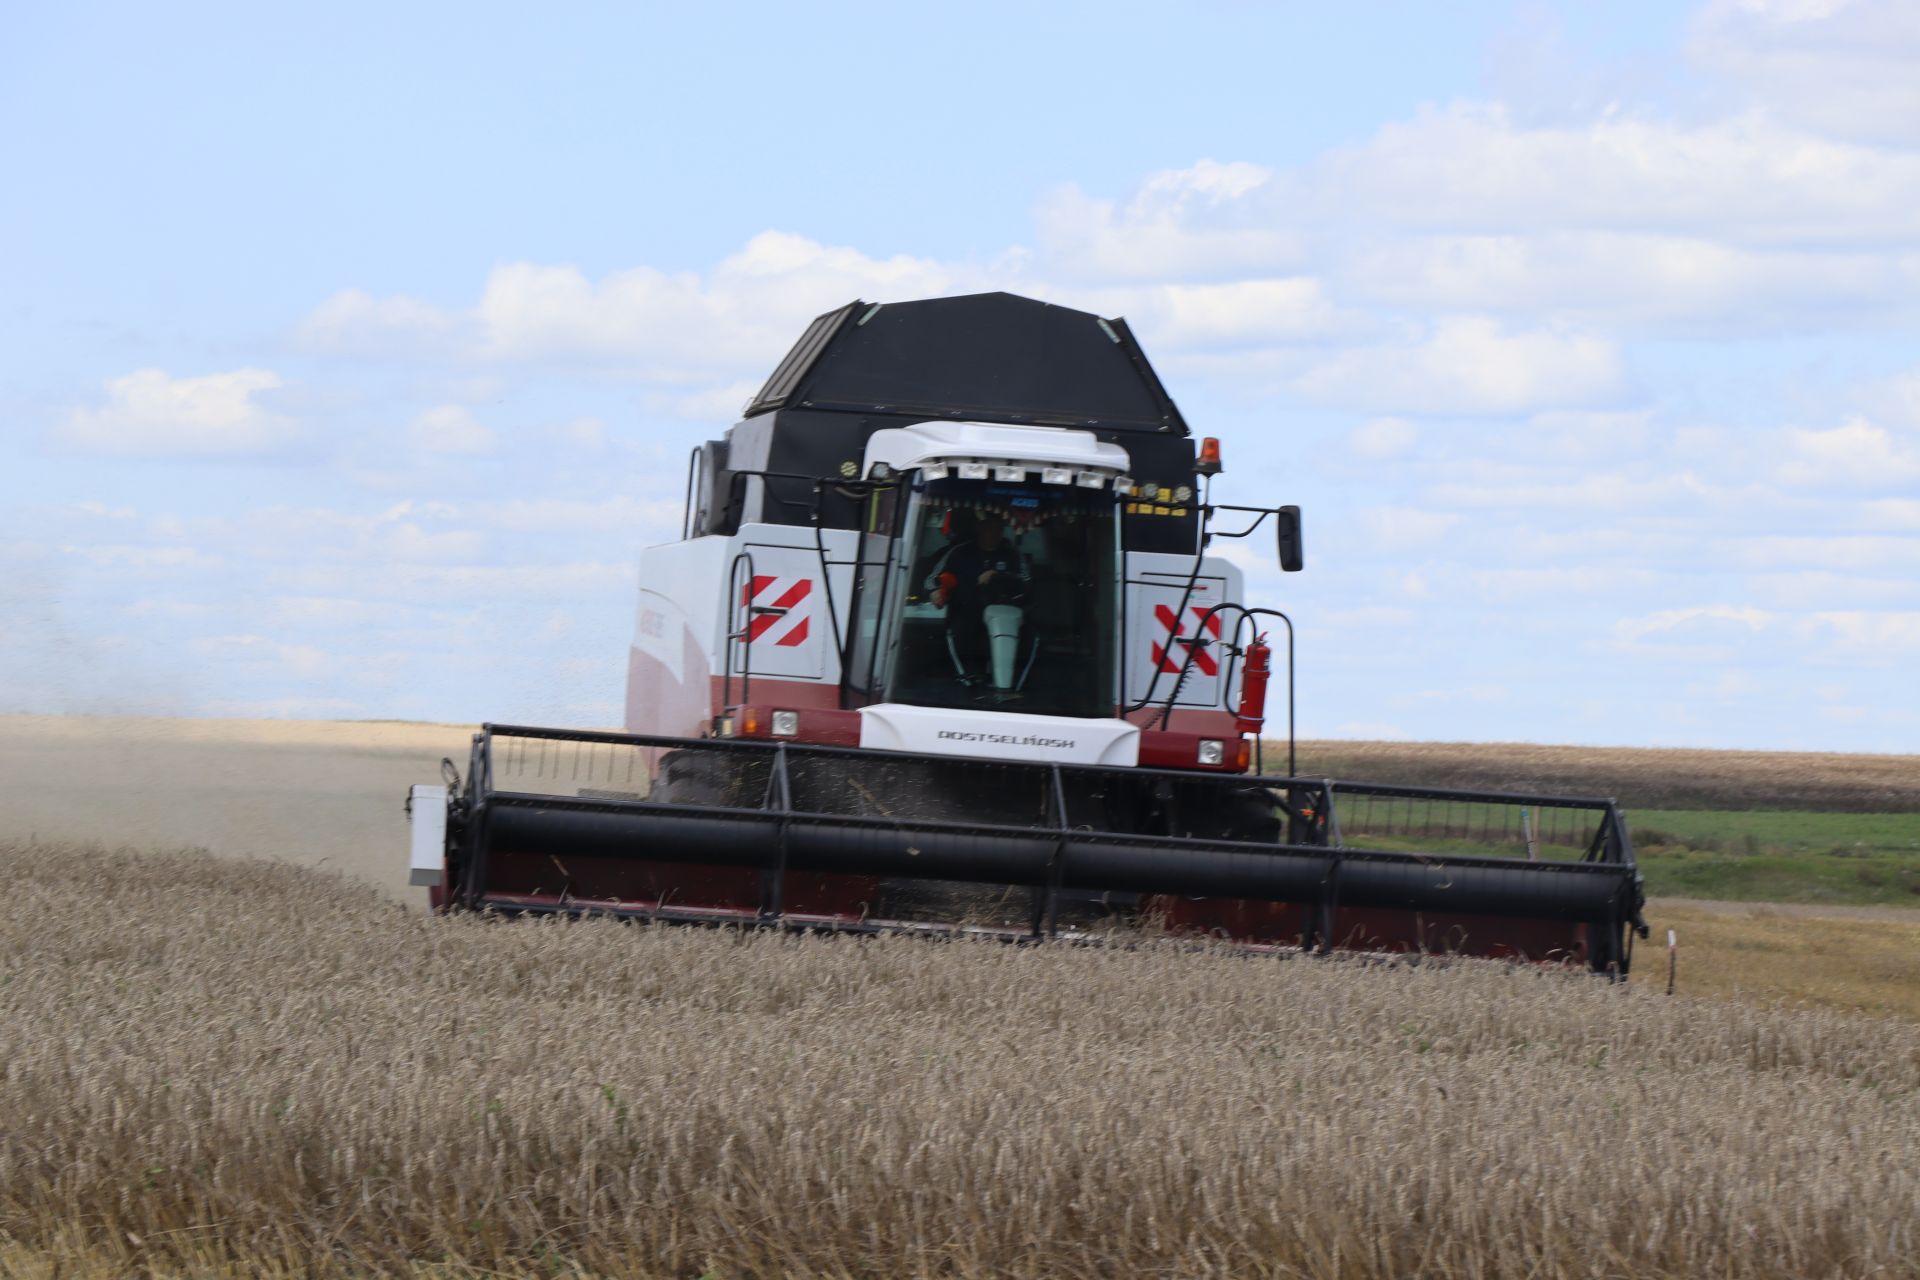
x=943 y=647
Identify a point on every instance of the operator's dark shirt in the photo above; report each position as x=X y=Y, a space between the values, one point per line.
x=966 y=562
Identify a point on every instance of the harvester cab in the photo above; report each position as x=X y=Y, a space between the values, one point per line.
x=944 y=646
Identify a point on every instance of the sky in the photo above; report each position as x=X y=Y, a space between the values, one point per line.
x=349 y=355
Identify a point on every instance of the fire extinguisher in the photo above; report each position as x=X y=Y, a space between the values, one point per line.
x=1253 y=687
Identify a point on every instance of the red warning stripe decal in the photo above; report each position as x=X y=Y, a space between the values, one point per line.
x=1163 y=655
x=783 y=622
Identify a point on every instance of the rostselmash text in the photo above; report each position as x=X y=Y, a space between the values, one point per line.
x=1007 y=739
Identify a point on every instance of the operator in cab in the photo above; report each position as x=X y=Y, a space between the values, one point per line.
x=970 y=574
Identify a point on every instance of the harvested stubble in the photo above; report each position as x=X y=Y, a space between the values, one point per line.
x=1639 y=777
x=229 y=1062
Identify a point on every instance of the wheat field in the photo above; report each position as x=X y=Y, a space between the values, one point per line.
x=211 y=1067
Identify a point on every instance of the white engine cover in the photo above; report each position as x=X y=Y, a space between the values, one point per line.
x=998 y=735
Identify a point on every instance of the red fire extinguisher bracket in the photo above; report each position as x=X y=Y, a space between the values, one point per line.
x=1253 y=687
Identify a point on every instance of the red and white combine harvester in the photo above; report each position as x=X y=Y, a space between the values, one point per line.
x=941 y=648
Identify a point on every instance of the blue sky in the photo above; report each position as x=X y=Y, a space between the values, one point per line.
x=352 y=356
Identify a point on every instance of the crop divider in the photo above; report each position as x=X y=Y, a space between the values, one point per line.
x=779 y=798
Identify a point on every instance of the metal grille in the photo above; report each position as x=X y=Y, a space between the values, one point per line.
x=1536 y=828
x=560 y=767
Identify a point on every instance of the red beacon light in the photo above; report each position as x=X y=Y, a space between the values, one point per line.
x=1208 y=463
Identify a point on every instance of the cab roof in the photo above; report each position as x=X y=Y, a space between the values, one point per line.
x=982 y=357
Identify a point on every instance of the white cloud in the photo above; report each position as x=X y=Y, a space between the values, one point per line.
x=1879 y=636
x=1684 y=282
x=465 y=583
x=1204 y=221
x=1369 y=616
x=1403 y=528
x=672 y=327
x=706 y=340
x=105 y=512
x=300 y=661
x=587 y=433
x=1555 y=588
x=1470 y=168
x=1505 y=485
x=449 y=428
x=1573 y=434
x=354 y=320
x=405 y=532
x=166 y=608
x=1892 y=513
x=1628 y=631
x=118 y=555
x=1841 y=553
x=152 y=414
x=1899 y=397
x=1856 y=455
x=327 y=611
x=1470 y=364
x=712 y=404
x=1212 y=316
x=1383 y=437
x=1818 y=588
x=1845 y=68
x=621 y=515
x=1727 y=684
x=1464 y=693
x=1524 y=255
x=1256 y=561
x=408 y=542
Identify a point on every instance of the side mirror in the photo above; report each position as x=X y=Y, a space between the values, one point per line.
x=1290 y=553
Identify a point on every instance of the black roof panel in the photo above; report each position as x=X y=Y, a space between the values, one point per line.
x=996 y=357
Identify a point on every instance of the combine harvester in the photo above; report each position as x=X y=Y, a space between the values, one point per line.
x=941 y=648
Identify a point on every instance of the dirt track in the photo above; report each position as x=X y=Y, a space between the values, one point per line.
x=318 y=793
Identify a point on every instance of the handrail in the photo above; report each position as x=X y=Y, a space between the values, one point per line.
x=686 y=503
x=737 y=601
